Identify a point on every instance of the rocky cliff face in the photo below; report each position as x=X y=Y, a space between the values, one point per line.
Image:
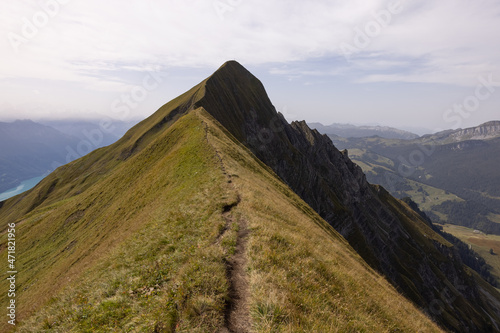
x=386 y=233
x=485 y=131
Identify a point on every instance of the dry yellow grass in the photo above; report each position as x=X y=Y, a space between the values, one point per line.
x=151 y=255
x=304 y=277
x=479 y=242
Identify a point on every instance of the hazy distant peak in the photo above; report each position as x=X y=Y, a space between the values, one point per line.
x=23 y=121
x=353 y=131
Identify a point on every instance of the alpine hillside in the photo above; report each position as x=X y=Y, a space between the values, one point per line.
x=216 y=215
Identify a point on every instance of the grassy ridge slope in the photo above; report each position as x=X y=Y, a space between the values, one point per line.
x=145 y=245
x=304 y=276
x=390 y=240
x=172 y=184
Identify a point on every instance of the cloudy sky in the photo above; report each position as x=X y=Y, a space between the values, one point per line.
x=419 y=64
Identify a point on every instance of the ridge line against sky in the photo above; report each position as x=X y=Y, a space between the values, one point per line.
x=397 y=63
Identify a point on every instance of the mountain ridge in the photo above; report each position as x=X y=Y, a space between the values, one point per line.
x=303 y=158
x=163 y=172
x=485 y=131
x=165 y=265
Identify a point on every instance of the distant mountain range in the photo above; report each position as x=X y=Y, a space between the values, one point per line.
x=216 y=215
x=352 y=131
x=29 y=149
x=99 y=133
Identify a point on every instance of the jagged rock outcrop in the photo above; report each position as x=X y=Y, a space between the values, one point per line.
x=484 y=131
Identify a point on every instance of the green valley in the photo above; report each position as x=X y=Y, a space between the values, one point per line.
x=451 y=175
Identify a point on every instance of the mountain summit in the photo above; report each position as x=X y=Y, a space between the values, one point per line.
x=215 y=214
x=384 y=231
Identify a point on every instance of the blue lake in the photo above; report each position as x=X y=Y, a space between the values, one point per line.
x=24 y=186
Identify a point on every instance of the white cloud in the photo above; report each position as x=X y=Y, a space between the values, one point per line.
x=93 y=43
x=445 y=41
x=191 y=33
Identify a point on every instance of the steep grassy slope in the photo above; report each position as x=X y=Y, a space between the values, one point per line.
x=301 y=276
x=158 y=202
x=148 y=245
x=74 y=178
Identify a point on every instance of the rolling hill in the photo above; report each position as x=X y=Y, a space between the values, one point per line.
x=215 y=214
